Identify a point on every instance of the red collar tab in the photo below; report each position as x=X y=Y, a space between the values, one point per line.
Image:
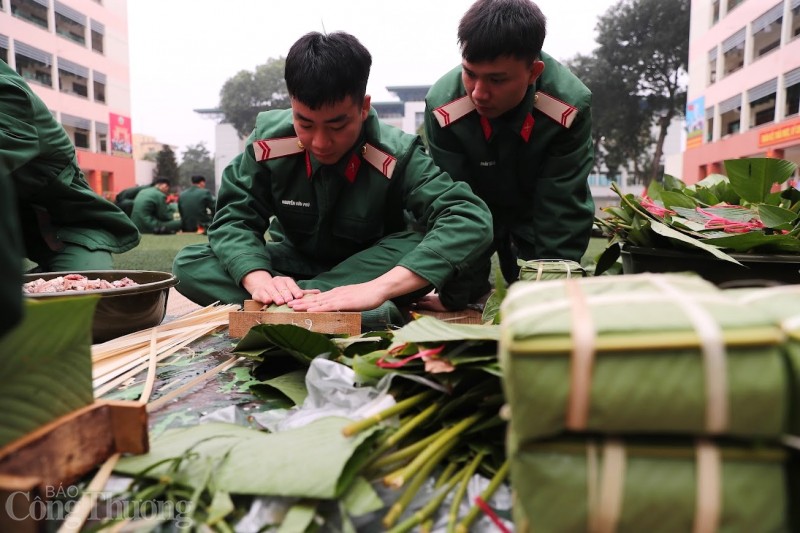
x=352 y=167
x=527 y=127
x=486 y=126
x=308 y=165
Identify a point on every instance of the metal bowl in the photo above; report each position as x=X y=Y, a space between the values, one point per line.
x=120 y=311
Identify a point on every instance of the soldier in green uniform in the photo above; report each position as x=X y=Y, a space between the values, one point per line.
x=125 y=197
x=338 y=182
x=151 y=214
x=65 y=225
x=516 y=125
x=196 y=206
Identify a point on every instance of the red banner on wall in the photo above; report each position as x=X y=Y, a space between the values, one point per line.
x=788 y=131
x=121 y=135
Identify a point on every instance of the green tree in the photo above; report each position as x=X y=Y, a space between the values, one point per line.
x=248 y=93
x=166 y=165
x=197 y=160
x=620 y=128
x=645 y=44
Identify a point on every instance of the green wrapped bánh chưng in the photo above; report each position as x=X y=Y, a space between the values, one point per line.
x=547 y=269
x=782 y=303
x=625 y=486
x=648 y=353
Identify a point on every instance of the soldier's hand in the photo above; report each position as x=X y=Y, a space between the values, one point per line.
x=359 y=297
x=265 y=288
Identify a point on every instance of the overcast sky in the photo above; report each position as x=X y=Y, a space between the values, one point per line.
x=183 y=51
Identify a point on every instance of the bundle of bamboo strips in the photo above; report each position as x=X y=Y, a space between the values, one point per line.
x=117 y=360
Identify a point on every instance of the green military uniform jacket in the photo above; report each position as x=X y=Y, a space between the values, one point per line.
x=530 y=166
x=329 y=213
x=54 y=200
x=196 y=206
x=151 y=212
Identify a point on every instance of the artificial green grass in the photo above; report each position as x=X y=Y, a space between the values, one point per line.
x=156 y=252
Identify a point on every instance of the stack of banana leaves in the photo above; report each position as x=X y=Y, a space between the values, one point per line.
x=648 y=402
x=443 y=429
x=719 y=215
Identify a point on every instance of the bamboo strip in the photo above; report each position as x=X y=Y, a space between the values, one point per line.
x=137 y=366
x=102 y=368
x=74 y=522
x=151 y=369
x=645 y=340
x=157 y=404
x=119 y=359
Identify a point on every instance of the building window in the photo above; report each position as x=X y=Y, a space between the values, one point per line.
x=733 y=53
x=99 y=87
x=70 y=23
x=78 y=130
x=762 y=111
x=98 y=32
x=733 y=3
x=730 y=115
x=714 y=12
x=4 y=48
x=34 y=11
x=709 y=124
x=73 y=78
x=792 y=102
x=101 y=137
x=712 y=66
x=767 y=31
x=795 y=19
x=33 y=64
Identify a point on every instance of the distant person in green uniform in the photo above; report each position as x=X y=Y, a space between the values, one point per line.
x=337 y=182
x=151 y=214
x=125 y=197
x=196 y=206
x=516 y=125
x=65 y=225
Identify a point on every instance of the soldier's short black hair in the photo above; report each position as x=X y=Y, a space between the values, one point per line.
x=324 y=69
x=197 y=179
x=495 y=28
x=161 y=180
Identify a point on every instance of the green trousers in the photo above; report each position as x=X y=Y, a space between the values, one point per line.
x=203 y=279
x=72 y=258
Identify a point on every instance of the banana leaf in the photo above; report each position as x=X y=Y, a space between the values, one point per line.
x=46 y=364
x=659 y=488
x=314 y=461
x=648 y=373
x=300 y=343
x=429 y=329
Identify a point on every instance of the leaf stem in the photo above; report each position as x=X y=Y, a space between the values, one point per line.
x=398 y=478
x=399 y=407
x=494 y=484
x=469 y=471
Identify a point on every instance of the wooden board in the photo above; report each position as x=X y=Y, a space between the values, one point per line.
x=63 y=451
x=240 y=322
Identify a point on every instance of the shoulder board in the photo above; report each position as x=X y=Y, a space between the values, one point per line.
x=266 y=149
x=561 y=112
x=452 y=111
x=379 y=159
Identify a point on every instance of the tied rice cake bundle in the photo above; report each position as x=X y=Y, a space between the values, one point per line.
x=611 y=485
x=547 y=269
x=782 y=303
x=649 y=353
